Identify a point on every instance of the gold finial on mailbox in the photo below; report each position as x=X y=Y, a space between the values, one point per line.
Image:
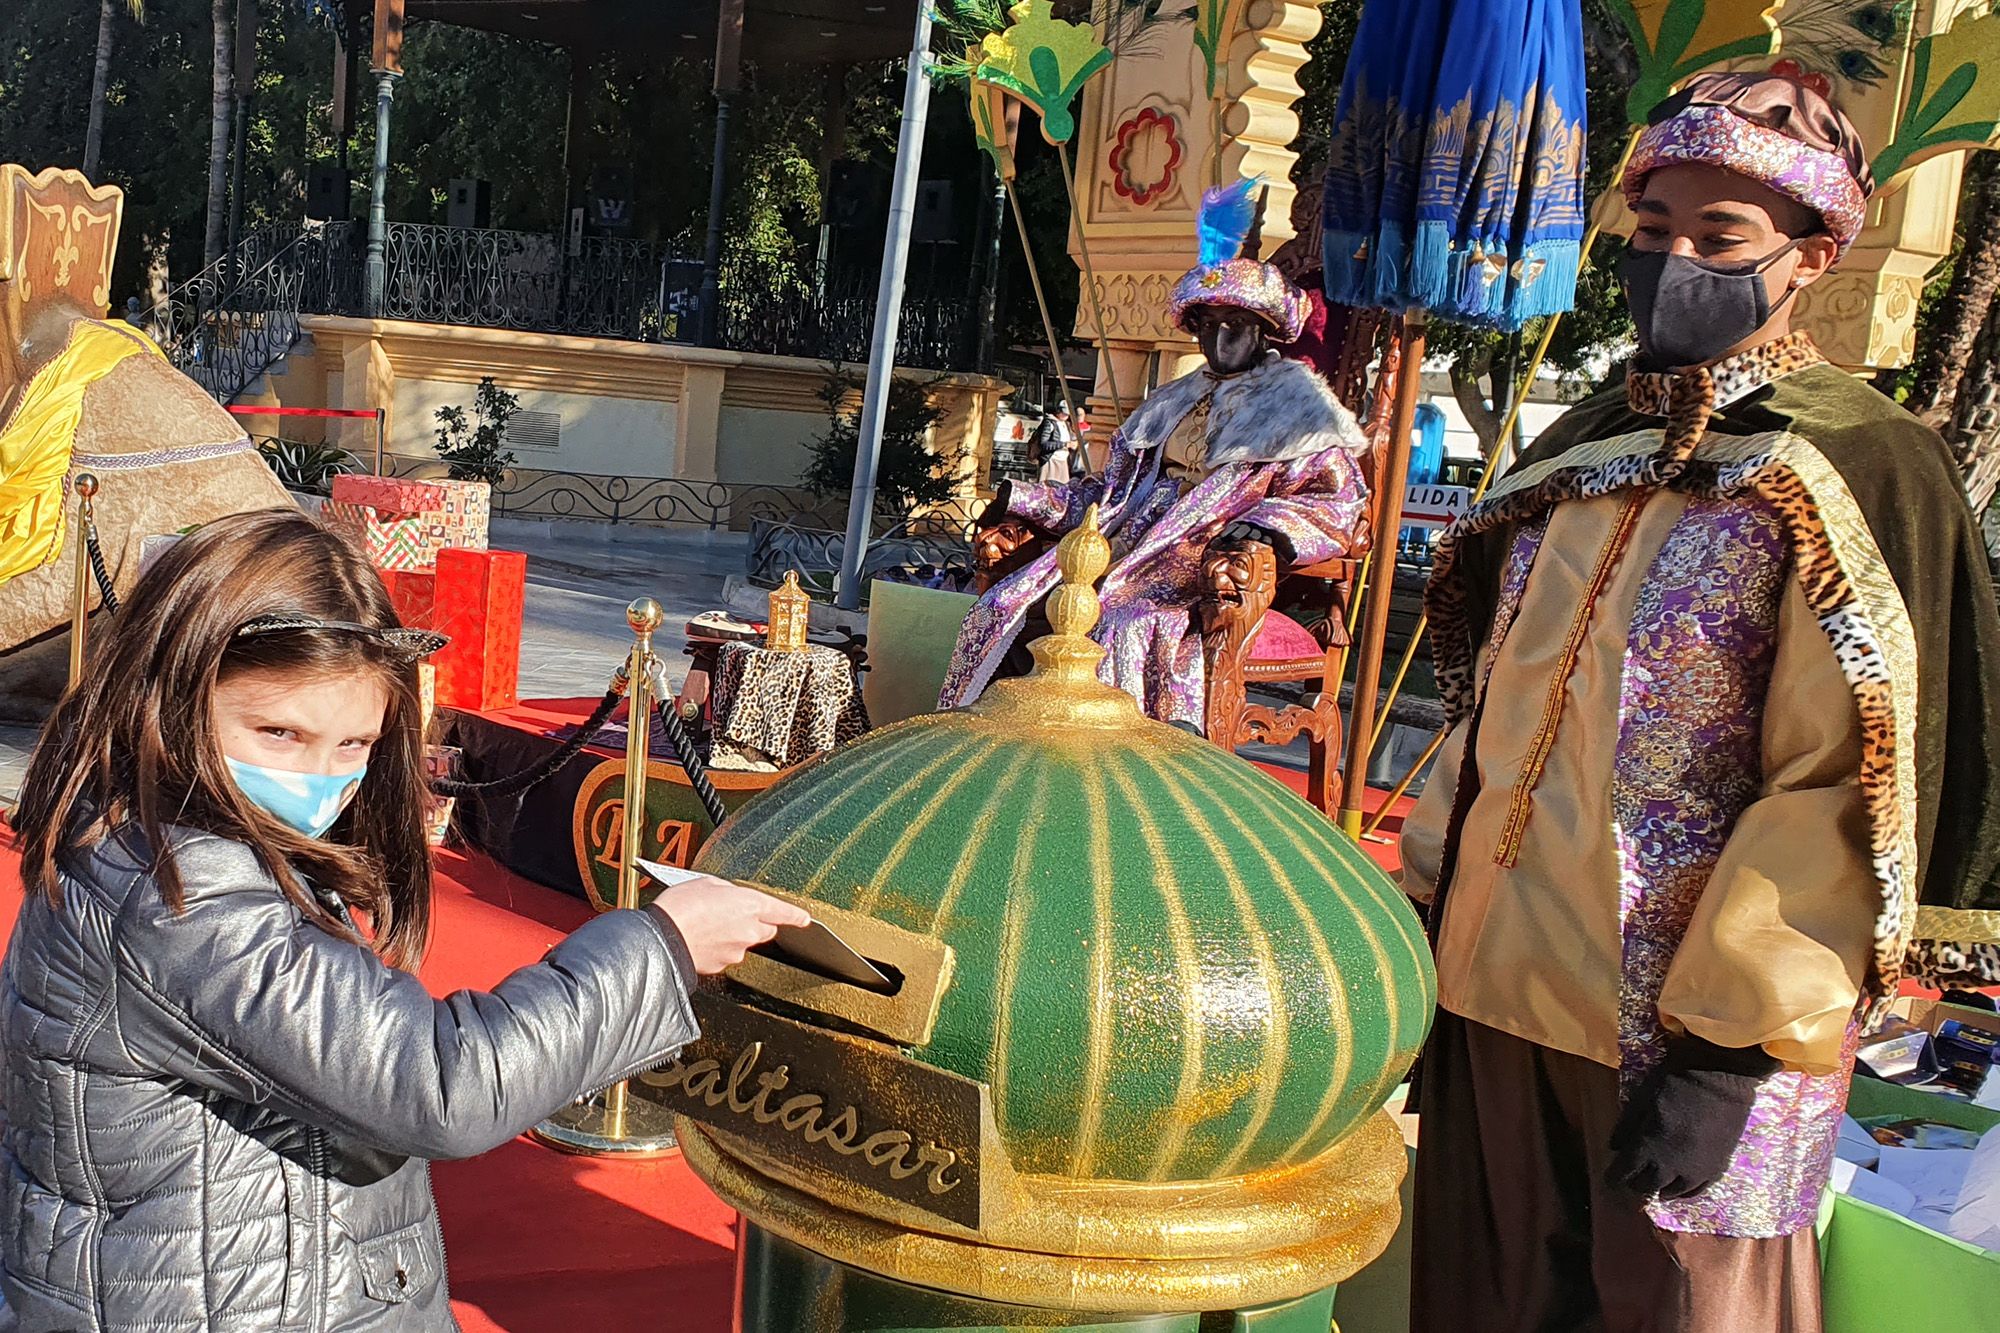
x=791 y=611
x=1068 y=657
x=1061 y=701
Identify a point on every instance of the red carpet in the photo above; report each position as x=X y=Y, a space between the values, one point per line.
x=539 y=1242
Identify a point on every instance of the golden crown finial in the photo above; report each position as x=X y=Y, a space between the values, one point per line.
x=1068 y=656
x=1062 y=700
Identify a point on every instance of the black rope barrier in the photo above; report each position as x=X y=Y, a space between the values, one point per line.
x=697 y=775
x=98 y=568
x=593 y=726
x=546 y=769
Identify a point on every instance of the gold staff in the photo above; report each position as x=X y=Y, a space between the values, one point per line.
x=79 y=616
x=621 y=1125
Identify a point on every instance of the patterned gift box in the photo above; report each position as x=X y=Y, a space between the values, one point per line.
x=389 y=495
x=413 y=592
x=437 y=819
x=390 y=542
x=460 y=520
x=479 y=601
x=440 y=761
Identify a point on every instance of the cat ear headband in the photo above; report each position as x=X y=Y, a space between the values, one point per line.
x=413 y=644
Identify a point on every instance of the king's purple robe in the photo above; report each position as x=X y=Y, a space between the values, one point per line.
x=1277 y=450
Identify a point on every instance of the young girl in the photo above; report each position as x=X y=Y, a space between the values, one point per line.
x=222 y=1082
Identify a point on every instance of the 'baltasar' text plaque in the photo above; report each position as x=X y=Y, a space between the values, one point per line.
x=838 y=1103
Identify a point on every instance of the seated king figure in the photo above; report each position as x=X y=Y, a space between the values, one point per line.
x=1249 y=448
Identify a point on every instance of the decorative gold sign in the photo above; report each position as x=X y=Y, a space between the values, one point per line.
x=840 y=1104
x=676 y=823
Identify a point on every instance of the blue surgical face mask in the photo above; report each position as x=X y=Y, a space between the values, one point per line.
x=308 y=802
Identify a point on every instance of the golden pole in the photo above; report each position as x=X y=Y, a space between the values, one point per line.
x=1396 y=793
x=79 y=614
x=1090 y=283
x=1041 y=301
x=644 y=616
x=1520 y=397
x=1382 y=587
x=624 y=1125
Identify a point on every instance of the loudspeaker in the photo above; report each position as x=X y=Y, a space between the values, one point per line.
x=329 y=194
x=469 y=204
x=932 y=220
x=859 y=197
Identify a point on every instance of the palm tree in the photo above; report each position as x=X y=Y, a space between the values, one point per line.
x=1947 y=355
x=221 y=17
x=100 y=79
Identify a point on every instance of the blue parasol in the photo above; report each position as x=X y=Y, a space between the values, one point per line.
x=1454 y=187
x=1454 y=182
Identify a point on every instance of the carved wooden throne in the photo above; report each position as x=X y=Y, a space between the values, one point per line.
x=1245 y=643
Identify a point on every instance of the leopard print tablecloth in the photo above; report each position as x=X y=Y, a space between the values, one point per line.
x=783 y=707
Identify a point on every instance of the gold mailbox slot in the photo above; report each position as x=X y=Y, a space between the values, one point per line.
x=920 y=964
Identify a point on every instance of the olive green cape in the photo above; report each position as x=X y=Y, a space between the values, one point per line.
x=1890 y=558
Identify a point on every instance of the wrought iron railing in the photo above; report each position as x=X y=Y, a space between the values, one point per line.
x=616 y=288
x=836 y=322
x=777 y=548
x=648 y=501
x=236 y=319
x=610 y=288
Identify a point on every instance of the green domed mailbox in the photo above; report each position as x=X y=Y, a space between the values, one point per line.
x=1145 y=1006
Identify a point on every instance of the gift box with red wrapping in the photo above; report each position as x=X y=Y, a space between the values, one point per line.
x=413 y=592
x=479 y=602
x=391 y=541
x=389 y=495
x=459 y=520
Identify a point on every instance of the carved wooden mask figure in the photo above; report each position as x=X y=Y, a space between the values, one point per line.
x=1239 y=576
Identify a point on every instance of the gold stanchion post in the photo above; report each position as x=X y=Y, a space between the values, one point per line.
x=79 y=614
x=614 y=1123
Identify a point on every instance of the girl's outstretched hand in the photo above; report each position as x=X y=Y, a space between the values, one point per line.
x=720 y=921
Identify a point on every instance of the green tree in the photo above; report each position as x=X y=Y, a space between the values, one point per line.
x=476 y=446
x=909 y=473
x=100 y=77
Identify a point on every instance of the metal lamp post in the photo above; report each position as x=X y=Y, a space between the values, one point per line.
x=888 y=309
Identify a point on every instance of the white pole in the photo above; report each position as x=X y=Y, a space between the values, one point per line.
x=888 y=308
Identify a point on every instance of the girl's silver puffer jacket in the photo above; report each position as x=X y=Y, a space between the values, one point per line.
x=217 y=1120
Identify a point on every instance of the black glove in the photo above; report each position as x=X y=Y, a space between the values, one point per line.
x=1238 y=533
x=1682 y=1124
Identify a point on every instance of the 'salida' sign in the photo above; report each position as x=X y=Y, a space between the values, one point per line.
x=841 y=1104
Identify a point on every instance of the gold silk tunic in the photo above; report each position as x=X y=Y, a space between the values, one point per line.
x=1781 y=937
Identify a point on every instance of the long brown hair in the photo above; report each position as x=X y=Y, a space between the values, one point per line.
x=133 y=745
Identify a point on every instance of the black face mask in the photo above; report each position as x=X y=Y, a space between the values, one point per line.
x=1688 y=313
x=1232 y=348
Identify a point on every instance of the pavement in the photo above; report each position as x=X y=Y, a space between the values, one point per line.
x=582 y=576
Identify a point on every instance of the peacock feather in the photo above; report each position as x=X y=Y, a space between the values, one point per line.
x=1855 y=42
x=1224 y=220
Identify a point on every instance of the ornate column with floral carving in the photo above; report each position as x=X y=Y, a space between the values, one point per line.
x=1145 y=149
x=1864 y=314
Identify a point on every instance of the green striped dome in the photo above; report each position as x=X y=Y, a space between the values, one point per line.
x=1169 y=967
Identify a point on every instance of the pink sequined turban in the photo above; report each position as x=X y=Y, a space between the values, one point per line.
x=1767 y=127
x=1244 y=284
